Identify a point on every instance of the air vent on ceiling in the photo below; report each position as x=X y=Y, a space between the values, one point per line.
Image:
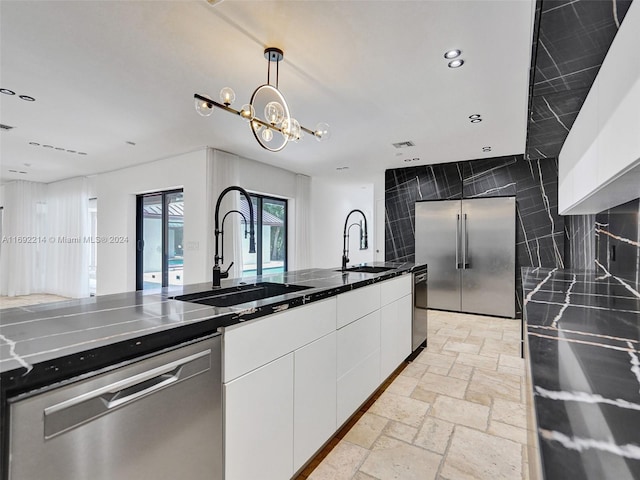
x=6 y=127
x=407 y=143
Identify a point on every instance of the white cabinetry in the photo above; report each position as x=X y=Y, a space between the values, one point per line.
x=395 y=323
x=314 y=412
x=259 y=423
x=358 y=363
x=291 y=379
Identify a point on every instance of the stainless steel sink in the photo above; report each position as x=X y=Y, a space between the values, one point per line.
x=367 y=269
x=226 y=297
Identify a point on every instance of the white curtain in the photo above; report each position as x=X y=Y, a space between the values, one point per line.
x=67 y=260
x=303 y=225
x=22 y=253
x=225 y=173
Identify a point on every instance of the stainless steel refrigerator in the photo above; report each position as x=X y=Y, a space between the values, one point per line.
x=469 y=247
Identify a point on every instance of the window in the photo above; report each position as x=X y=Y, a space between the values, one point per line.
x=271 y=236
x=159 y=245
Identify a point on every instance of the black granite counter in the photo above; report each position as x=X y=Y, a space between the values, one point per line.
x=42 y=344
x=583 y=339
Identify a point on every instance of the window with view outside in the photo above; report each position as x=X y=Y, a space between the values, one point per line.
x=271 y=236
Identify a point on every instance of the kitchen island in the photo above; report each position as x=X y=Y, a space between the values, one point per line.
x=52 y=343
x=583 y=348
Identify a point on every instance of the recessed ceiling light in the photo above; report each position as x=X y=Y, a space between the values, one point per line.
x=456 y=63
x=342 y=168
x=47 y=146
x=82 y=153
x=452 y=54
x=27 y=98
x=130 y=143
x=59 y=148
x=13 y=171
x=407 y=159
x=6 y=91
x=476 y=120
x=475 y=115
x=486 y=149
x=71 y=151
x=34 y=144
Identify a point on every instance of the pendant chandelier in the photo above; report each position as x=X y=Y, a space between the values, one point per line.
x=277 y=127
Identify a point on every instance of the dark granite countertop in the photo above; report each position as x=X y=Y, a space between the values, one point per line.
x=583 y=333
x=46 y=343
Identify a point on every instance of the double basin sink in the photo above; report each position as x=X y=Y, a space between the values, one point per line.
x=227 y=297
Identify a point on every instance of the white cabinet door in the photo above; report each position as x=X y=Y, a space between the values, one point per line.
x=395 y=335
x=358 y=363
x=314 y=420
x=357 y=303
x=259 y=423
x=249 y=345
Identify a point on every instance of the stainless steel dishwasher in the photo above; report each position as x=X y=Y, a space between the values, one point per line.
x=158 y=418
x=419 y=319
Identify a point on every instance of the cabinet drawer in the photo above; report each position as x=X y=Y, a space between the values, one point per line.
x=356 y=386
x=357 y=303
x=247 y=346
x=358 y=340
x=394 y=289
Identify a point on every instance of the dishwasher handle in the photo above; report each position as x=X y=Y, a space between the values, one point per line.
x=85 y=407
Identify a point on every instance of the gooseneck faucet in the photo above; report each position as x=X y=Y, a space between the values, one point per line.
x=364 y=242
x=217 y=273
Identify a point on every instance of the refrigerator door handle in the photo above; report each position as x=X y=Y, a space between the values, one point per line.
x=458 y=264
x=465 y=245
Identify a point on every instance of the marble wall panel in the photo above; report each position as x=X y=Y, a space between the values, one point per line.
x=570 y=40
x=539 y=228
x=617 y=234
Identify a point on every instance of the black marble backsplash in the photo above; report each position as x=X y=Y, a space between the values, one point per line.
x=617 y=239
x=539 y=228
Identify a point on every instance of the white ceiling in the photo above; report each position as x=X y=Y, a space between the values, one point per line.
x=107 y=72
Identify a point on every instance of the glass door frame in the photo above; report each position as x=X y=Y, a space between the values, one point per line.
x=260 y=199
x=165 y=196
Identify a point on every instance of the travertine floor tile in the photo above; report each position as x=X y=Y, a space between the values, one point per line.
x=453 y=387
x=403 y=385
x=392 y=459
x=434 y=434
x=435 y=359
x=513 y=413
x=454 y=332
x=444 y=371
x=464 y=346
x=341 y=464
x=493 y=346
x=489 y=363
x=402 y=409
x=460 y=412
x=423 y=395
x=475 y=455
x=463 y=372
x=511 y=361
x=495 y=384
x=366 y=430
x=507 y=431
x=414 y=369
x=400 y=431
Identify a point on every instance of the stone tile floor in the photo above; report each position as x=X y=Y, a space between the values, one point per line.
x=456 y=412
x=26 y=300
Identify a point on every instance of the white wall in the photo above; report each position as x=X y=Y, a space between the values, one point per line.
x=330 y=203
x=116 y=192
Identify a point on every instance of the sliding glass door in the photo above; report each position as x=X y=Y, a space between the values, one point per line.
x=271 y=236
x=159 y=239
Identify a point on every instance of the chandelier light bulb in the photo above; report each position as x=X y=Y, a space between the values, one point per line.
x=267 y=135
x=248 y=112
x=291 y=129
x=322 y=132
x=256 y=126
x=204 y=108
x=274 y=113
x=227 y=96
